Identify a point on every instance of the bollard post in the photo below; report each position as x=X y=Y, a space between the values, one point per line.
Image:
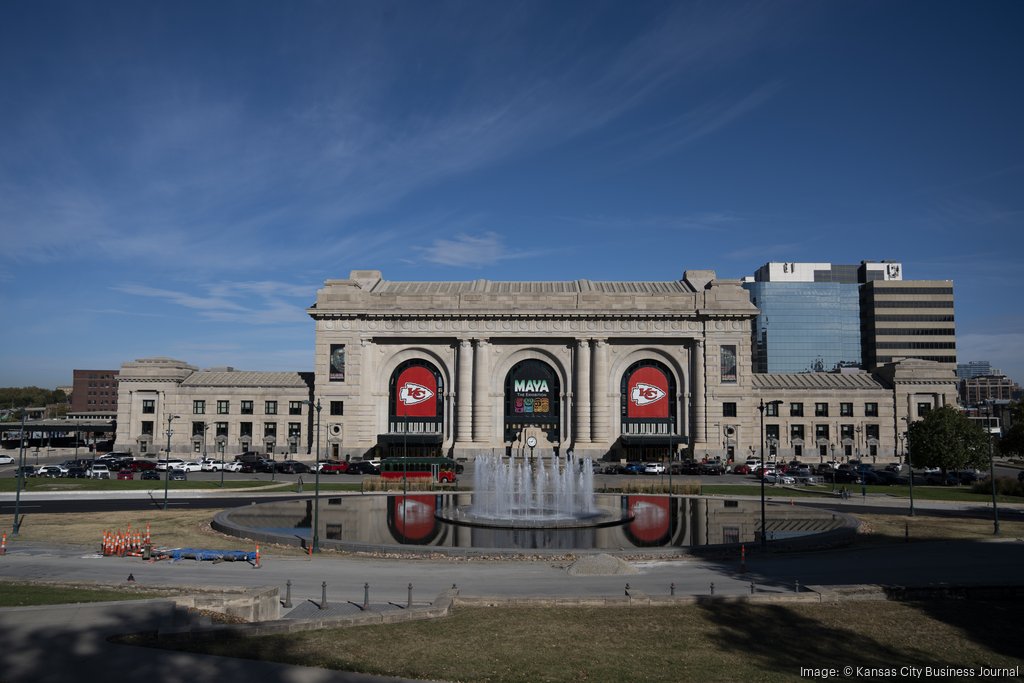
x=627 y=589
x=409 y=602
x=366 y=595
x=323 y=596
x=751 y=587
x=672 y=589
x=906 y=532
x=712 y=587
x=288 y=594
x=743 y=558
x=796 y=587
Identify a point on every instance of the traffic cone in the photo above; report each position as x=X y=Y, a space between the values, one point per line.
x=3 y=544
x=257 y=564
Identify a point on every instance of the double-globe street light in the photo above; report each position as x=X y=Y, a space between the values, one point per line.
x=764 y=527
x=992 y=465
x=910 y=467
x=167 y=469
x=315 y=543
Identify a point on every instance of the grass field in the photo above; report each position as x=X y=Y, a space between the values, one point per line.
x=14 y=594
x=716 y=641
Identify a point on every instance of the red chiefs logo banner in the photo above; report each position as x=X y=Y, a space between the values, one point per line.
x=416 y=393
x=648 y=394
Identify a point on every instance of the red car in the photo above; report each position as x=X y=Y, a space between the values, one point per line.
x=142 y=465
x=741 y=469
x=126 y=474
x=334 y=468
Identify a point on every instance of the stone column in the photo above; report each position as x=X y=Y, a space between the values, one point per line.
x=599 y=426
x=582 y=391
x=699 y=405
x=482 y=428
x=464 y=395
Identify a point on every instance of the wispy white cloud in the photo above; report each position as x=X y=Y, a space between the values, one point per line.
x=254 y=303
x=470 y=251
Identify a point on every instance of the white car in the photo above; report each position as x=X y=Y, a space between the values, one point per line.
x=193 y=466
x=6 y=460
x=654 y=468
x=175 y=464
x=233 y=466
x=210 y=465
x=98 y=471
x=774 y=478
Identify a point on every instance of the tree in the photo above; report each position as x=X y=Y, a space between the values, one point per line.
x=948 y=439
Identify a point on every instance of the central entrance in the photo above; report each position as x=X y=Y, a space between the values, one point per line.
x=532 y=399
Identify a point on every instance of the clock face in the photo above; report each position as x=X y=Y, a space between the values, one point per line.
x=531 y=441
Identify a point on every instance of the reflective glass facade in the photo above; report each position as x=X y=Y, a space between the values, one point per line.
x=805 y=326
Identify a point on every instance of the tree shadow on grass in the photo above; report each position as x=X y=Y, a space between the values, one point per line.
x=781 y=639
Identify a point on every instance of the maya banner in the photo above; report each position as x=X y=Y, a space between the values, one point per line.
x=648 y=394
x=416 y=393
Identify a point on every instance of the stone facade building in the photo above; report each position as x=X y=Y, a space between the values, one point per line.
x=614 y=370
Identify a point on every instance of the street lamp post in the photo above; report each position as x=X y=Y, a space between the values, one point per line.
x=910 y=467
x=858 y=429
x=764 y=529
x=21 y=478
x=316 y=493
x=992 y=466
x=220 y=446
x=167 y=469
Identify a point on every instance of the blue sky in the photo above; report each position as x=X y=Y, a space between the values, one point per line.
x=177 y=179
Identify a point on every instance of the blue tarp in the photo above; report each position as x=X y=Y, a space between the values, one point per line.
x=203 y=554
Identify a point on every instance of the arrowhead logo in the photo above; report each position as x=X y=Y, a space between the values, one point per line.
x=644 y=394
x=413 y=394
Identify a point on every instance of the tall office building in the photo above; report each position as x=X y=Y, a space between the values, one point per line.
x=824 y=317
x=907 y=319
x=809 y=317
x=976 y=368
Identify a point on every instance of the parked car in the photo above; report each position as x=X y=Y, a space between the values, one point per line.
x=246 y=467
x=887 y=477
x=6 y=460
x=614 y=468
x=713 y=467
x=210 y=465
x=654 y=468
x=292 y=467
x=51 y=471
x=178 y=475
x=142 y=465
x=634 y=468
x=169 y=464
x=150 y=475
x=778 y=478
x=99 y=470
x=192 y=466
x=1020 y=476
x=265 y=465
x=741 y=469
x=125 y=474
x=77 y=472
x=25 y=471
x=233 y=466
x=333 y=467
x=362 y=467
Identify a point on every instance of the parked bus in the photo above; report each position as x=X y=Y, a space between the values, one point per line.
x=443 y=470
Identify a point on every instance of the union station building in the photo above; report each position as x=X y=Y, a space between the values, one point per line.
x=610 y=370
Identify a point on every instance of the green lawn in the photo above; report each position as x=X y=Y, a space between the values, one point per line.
x=13 y=594
x=952 y=493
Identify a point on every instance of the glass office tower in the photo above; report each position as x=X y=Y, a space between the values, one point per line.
x=805 y=326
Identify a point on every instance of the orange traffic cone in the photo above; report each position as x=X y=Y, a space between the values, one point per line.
x=257 y=564
x=3 y=544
